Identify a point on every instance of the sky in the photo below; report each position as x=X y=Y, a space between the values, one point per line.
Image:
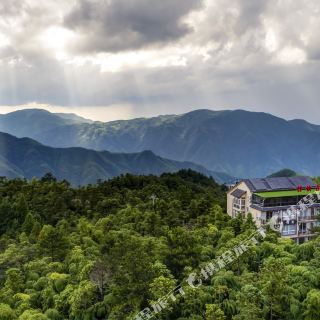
x=120 y=59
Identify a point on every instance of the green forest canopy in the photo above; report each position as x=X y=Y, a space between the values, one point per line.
x=105 y=252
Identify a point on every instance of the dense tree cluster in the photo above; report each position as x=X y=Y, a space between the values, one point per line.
x=107 y=251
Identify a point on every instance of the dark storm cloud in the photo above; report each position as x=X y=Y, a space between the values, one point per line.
x=117 y=25
x=258 y=55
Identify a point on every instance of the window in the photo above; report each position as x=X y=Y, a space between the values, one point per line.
x=269 y=215
x=238 y=206
x=289 y=229
x=302 y=228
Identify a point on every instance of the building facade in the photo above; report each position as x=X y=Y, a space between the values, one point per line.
x=295 y=202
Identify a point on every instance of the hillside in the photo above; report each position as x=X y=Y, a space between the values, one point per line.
x=27 y=158
x=106 y=251
x=283 y=173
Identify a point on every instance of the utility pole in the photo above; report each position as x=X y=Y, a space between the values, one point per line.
x=153 y=198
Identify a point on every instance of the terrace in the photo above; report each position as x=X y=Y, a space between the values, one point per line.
x=285 y=198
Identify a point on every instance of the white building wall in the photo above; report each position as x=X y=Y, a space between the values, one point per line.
x=241 y=186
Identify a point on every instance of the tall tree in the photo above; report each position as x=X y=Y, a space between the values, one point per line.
x=53 y=242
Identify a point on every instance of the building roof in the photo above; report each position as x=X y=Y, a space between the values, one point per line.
x=238 y=193
x=285 y=193
x=278 y=184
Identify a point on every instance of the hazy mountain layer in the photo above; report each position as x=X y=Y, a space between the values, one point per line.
x=241 y=143
x=27 y=158
x=32 y=122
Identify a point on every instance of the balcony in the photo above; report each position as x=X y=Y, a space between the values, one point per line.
x=264 y=200
x=301 y=233
x=289 y=233
x=308 y=233
x=309 y=218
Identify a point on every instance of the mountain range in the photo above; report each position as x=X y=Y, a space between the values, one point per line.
x=26 y=158
x=239 y=143
x=32 y=122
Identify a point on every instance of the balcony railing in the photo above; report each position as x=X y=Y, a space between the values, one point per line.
x=301 y=233
x=308 y=218
x=289 y=232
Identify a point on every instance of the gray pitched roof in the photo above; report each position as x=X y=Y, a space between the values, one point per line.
x=272 y=184
x=238 y=193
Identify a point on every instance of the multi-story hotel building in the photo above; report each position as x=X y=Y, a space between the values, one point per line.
x=285 y=198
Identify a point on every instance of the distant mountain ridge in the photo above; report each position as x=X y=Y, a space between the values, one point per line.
x=240 y=143
x=24 y=157
x=32 y=122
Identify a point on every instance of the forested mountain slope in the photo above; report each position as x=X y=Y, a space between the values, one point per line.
x=27 y=158
x=105 y=252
